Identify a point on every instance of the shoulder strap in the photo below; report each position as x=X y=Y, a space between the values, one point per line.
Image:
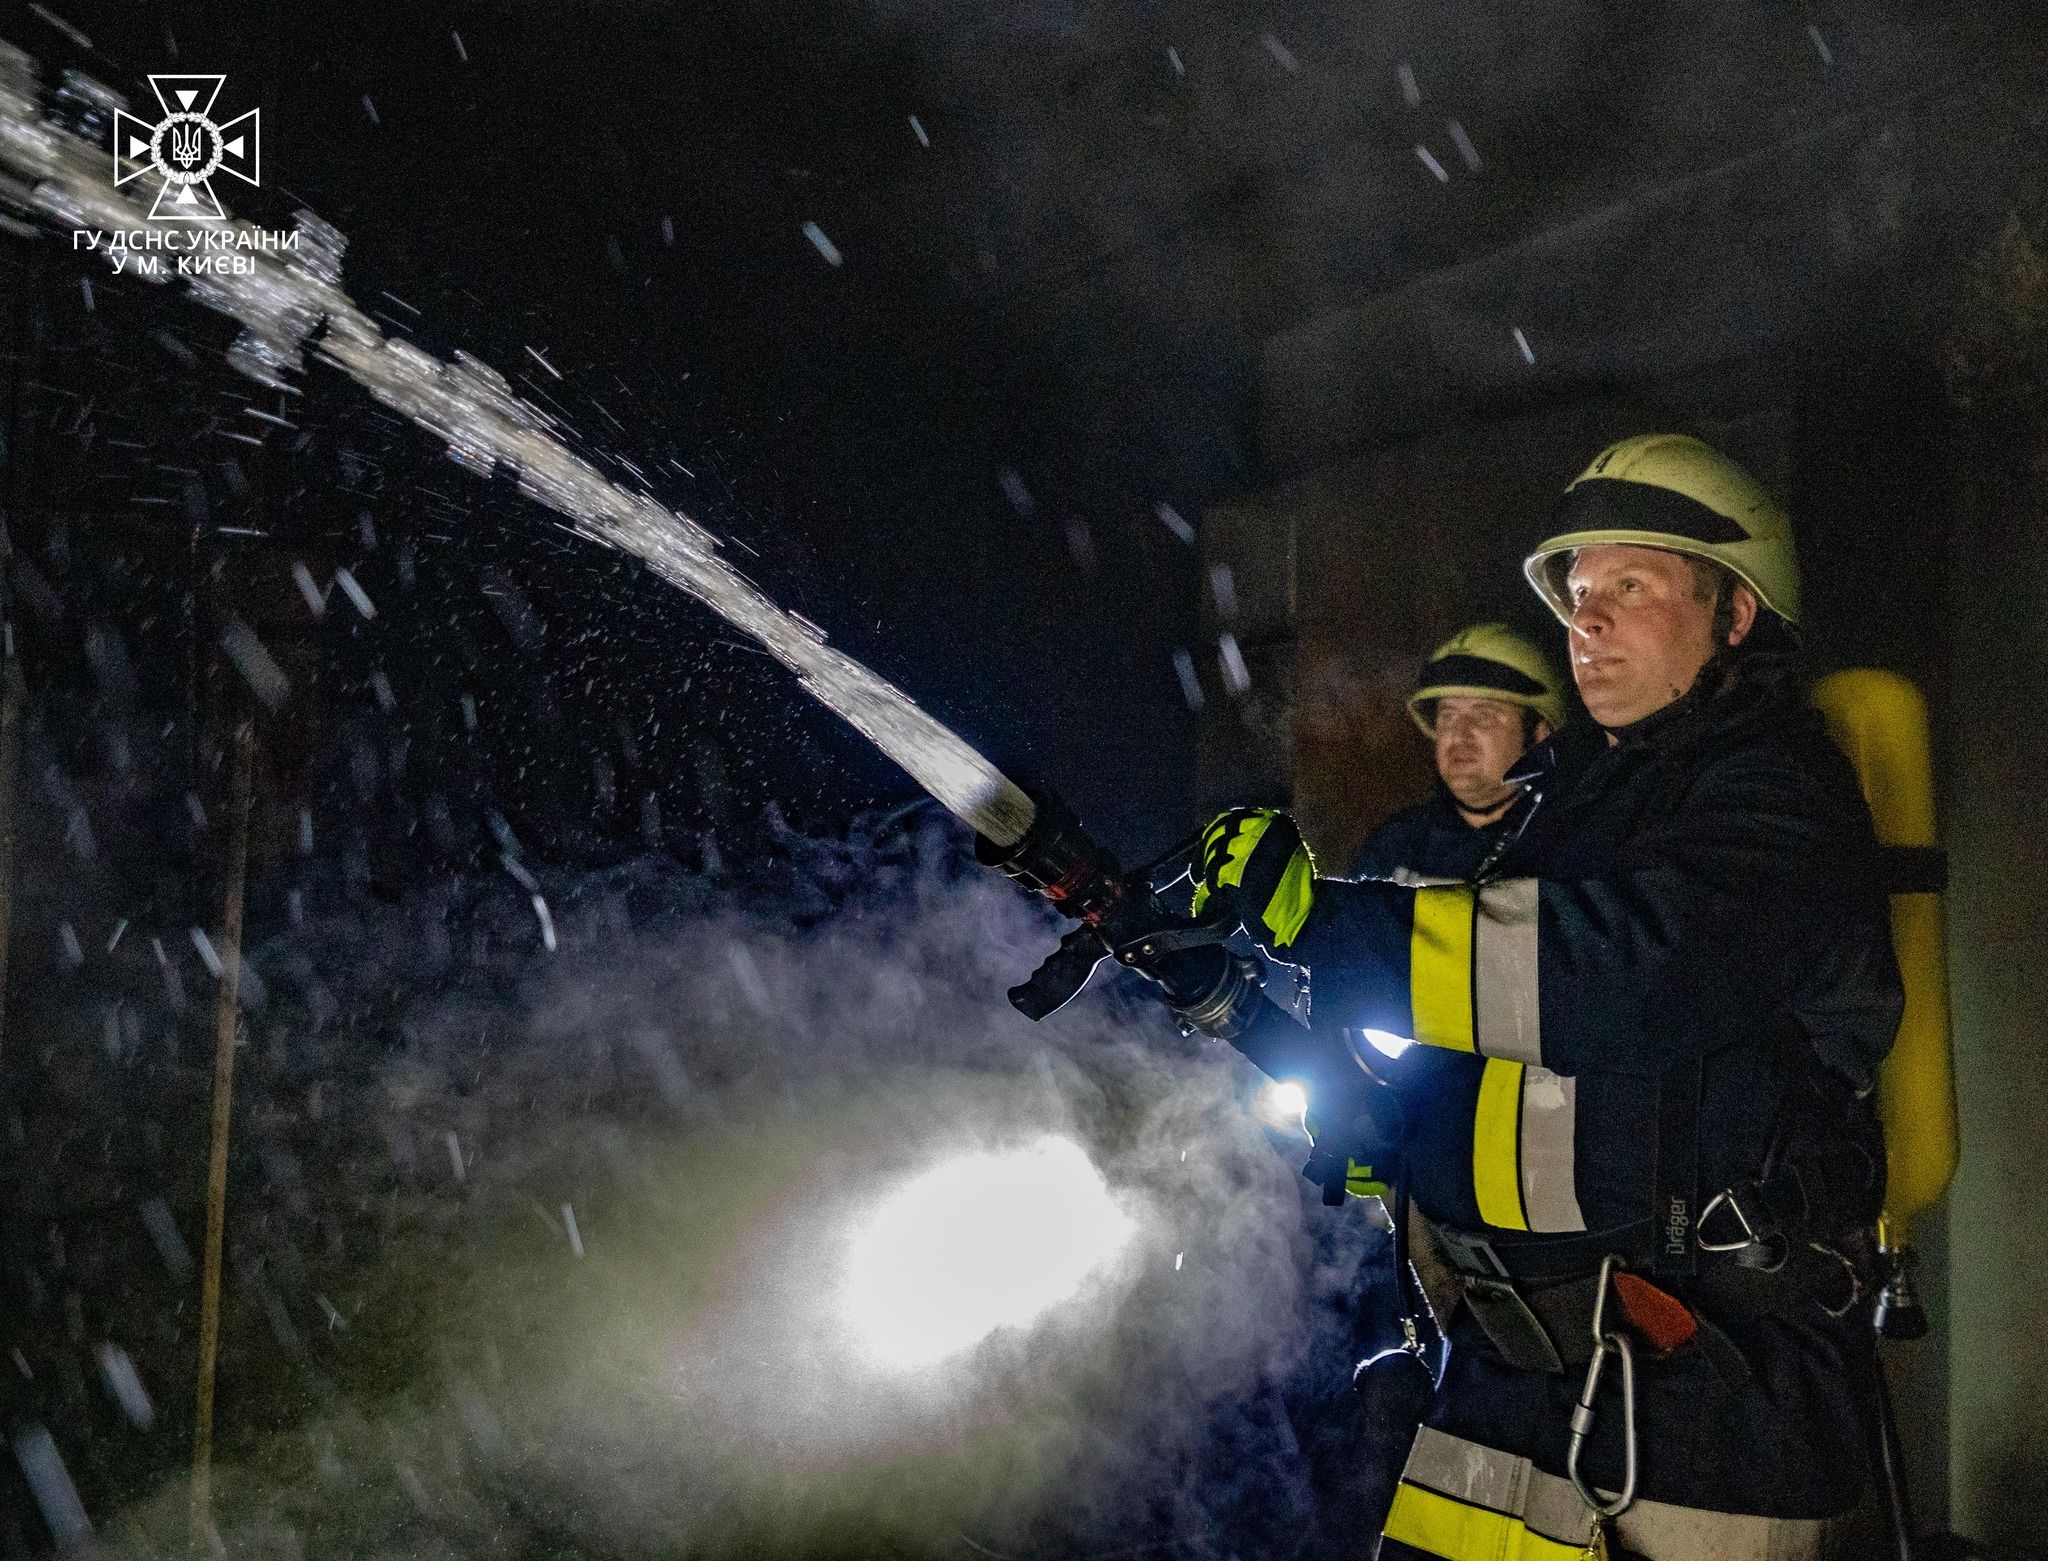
x=1676 y=1182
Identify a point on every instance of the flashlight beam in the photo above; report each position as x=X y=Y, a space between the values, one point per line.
x=975 y=1245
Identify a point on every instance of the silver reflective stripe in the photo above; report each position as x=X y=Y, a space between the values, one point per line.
x=1409 y=878
x=1487 y=1477
x=1556 y=1511
x=1688 y=1534
x=1506 y=1024
x=1549 y=1189
x=1505 y=1021
x=1500 y=1481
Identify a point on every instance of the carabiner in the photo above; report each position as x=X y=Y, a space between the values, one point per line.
x=1605 y=1343
x=1608 y=1265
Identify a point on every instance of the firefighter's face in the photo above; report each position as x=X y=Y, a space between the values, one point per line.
x=1642 y=627
x=1476 y=741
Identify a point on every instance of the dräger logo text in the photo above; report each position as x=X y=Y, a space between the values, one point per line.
x=1677 y=1222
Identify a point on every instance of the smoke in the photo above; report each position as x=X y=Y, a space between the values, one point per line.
x=538 y=1253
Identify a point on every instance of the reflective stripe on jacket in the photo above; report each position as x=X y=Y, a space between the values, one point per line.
x=1461 y=1501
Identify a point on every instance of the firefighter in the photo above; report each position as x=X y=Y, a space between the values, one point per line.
x=1634 y=1109
x=1484 y=697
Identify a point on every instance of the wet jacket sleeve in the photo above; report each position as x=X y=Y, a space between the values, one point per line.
x=1751 y=901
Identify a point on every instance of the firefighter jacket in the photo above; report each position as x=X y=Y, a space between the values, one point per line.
x=1688 y=936
x=1699 y=901
x=1430 y=840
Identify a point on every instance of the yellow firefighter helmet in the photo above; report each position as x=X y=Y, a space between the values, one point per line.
x=1489 y=661
x=1671 y=491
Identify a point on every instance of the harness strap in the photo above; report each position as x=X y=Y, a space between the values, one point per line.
x=1540 y=1320
x=1913 y=869
x=1535 y=1259
x=1675 y=1211
x=1549 y=1327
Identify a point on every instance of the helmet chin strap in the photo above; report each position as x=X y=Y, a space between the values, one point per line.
x=1479 y=818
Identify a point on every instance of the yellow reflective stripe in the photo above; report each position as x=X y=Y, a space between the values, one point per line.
x=1289 y=907
x=1497 y=1146
x=1458 y=1531
x=1440 y=967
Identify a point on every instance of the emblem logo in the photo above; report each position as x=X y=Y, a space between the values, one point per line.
x=186 y=148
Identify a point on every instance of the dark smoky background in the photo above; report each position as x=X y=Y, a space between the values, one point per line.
x=595 y=986
x=539 y=1240
x=1145 y=388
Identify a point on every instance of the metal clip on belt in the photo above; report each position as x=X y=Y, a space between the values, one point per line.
x=1605 y=1343
x=1762 y=1245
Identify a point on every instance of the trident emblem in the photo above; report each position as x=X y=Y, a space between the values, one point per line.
x=185 y=148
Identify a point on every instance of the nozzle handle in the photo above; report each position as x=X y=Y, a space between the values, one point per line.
x=1058 y=981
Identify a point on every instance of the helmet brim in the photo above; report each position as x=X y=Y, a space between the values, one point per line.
x=1546 y=566
x=1548 y=706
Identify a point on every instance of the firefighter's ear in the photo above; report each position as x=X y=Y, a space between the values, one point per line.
x=1742 y=603
x=1539 y=733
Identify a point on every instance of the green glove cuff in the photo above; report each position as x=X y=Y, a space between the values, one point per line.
x=1360 y=1181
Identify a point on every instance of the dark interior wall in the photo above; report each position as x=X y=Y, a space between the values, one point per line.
x=1870 y=484
x=1850 y=227
x=1996 y=821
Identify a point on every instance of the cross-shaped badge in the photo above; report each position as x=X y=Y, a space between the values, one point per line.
x=186 y=148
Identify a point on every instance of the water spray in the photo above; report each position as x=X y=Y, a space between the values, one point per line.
x=970 y=1248
x=288 y=298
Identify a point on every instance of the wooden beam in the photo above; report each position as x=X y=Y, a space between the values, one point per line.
x=226 y=1024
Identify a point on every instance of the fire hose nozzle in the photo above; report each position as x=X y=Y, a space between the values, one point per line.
x=1057 y=861
x=1119 y=912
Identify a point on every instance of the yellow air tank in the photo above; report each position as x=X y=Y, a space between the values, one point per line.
x=1879 y=720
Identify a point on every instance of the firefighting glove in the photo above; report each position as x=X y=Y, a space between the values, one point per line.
x=1341 y=1176
x=1253 y=861
x=1346 y=1152
x=1361 y=1181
